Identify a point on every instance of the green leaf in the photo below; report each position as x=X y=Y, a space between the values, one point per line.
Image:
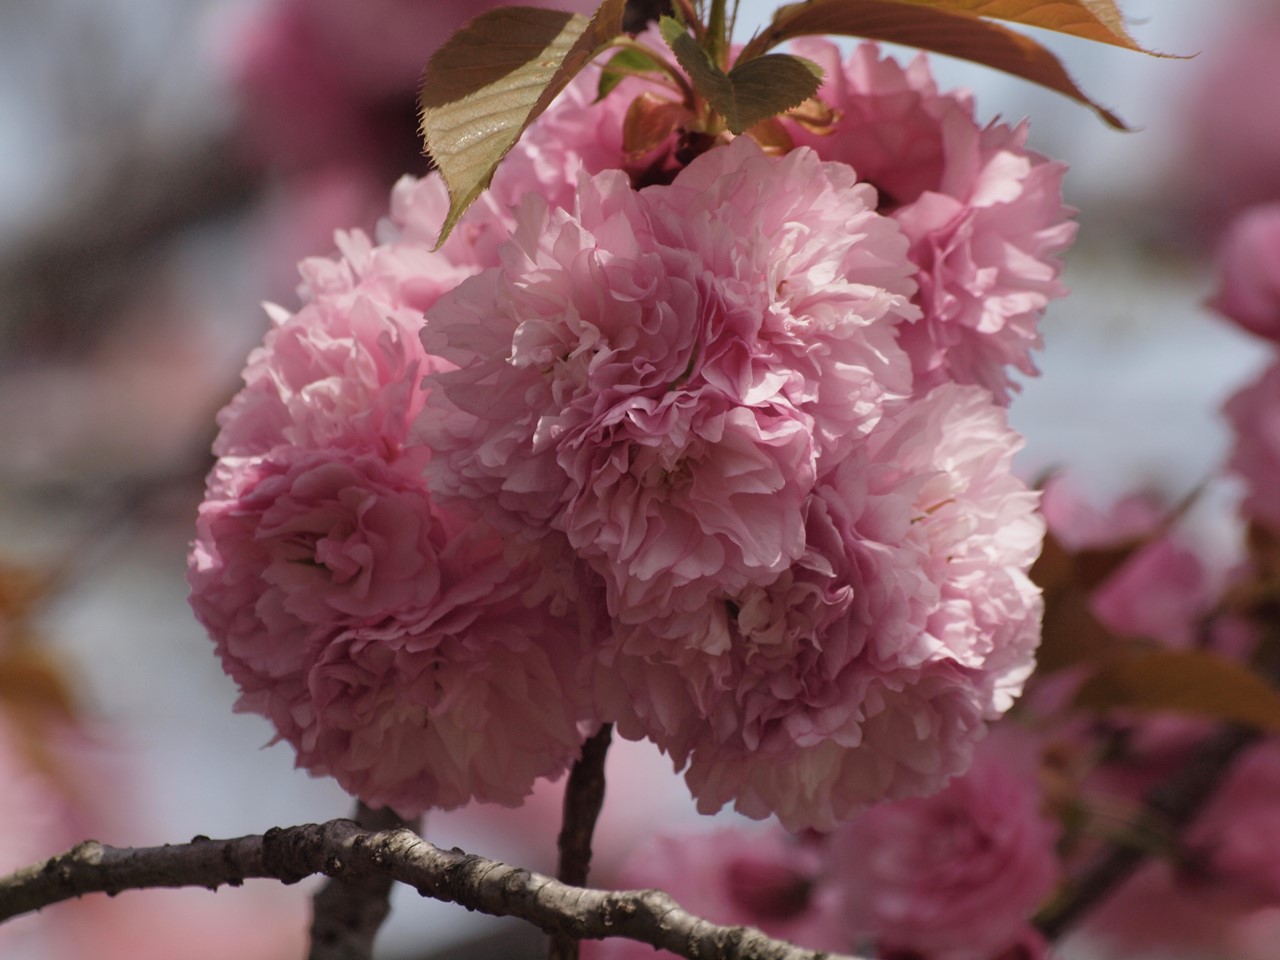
x=753 y=90
x=493 y=78
x=625 y=63
x=1187 y=681
x=948 y=27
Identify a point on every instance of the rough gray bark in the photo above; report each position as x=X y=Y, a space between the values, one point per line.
x=343 y=849
x=346 y=915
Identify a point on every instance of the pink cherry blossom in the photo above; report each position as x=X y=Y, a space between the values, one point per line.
x=983 y=213
x=1254 y=414
x=757 y=877
x=344 y=370
x=868 y=668
x=656 y=382
x=818 y=589
x=397 y=647
x=954 y=876
x=389 y=644
x=1249 y=261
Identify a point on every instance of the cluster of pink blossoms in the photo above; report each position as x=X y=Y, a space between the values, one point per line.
x=722 y=460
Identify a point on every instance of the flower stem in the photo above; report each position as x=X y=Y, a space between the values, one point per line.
x=583 y=798
x=717 y=35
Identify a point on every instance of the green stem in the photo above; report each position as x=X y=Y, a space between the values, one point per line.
x=666 y=66
x=717 y=35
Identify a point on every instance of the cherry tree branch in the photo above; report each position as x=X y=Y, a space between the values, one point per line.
x=347 y=914
x=583 y=798
x=344 y=850
x=1170 y=807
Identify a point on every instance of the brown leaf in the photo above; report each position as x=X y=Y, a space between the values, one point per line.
x=1071 y=634
x=31 y=681
x=926 y=25
x=493 y=78
x=772 y=137
x=21 y=591
x=815 y=116
x=650 y=120
x=1185 y=681
x=1098 y=20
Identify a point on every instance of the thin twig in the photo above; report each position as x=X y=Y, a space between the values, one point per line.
x=347 y=914
x=583 y=798
x=1171 y=807
x=343 y=849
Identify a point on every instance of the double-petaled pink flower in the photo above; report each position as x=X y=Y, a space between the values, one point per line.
x=983 y=214
x=712 y=459
x=816 y=579
x=399 y=647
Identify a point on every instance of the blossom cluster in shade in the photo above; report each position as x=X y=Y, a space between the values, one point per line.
x=721 y=460
x=953 y=876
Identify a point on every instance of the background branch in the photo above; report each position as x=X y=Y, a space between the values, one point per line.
x=343 y=849
x=1169 y=808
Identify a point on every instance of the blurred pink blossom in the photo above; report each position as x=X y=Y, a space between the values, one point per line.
x=1160 y=593
x=1249 y=262
x=382 y=46
x=954 y=876
x=1080 y=525
x=38 y=821
x=65 y=783
x=1161 y=590
x=984 y=214
x=329 y=81
x=1254 y=415
x=1232 y=155
x=1221 y=890
x=758 y=877
x=1234 y=845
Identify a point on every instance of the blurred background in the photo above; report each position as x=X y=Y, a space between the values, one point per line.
x=165 y=163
